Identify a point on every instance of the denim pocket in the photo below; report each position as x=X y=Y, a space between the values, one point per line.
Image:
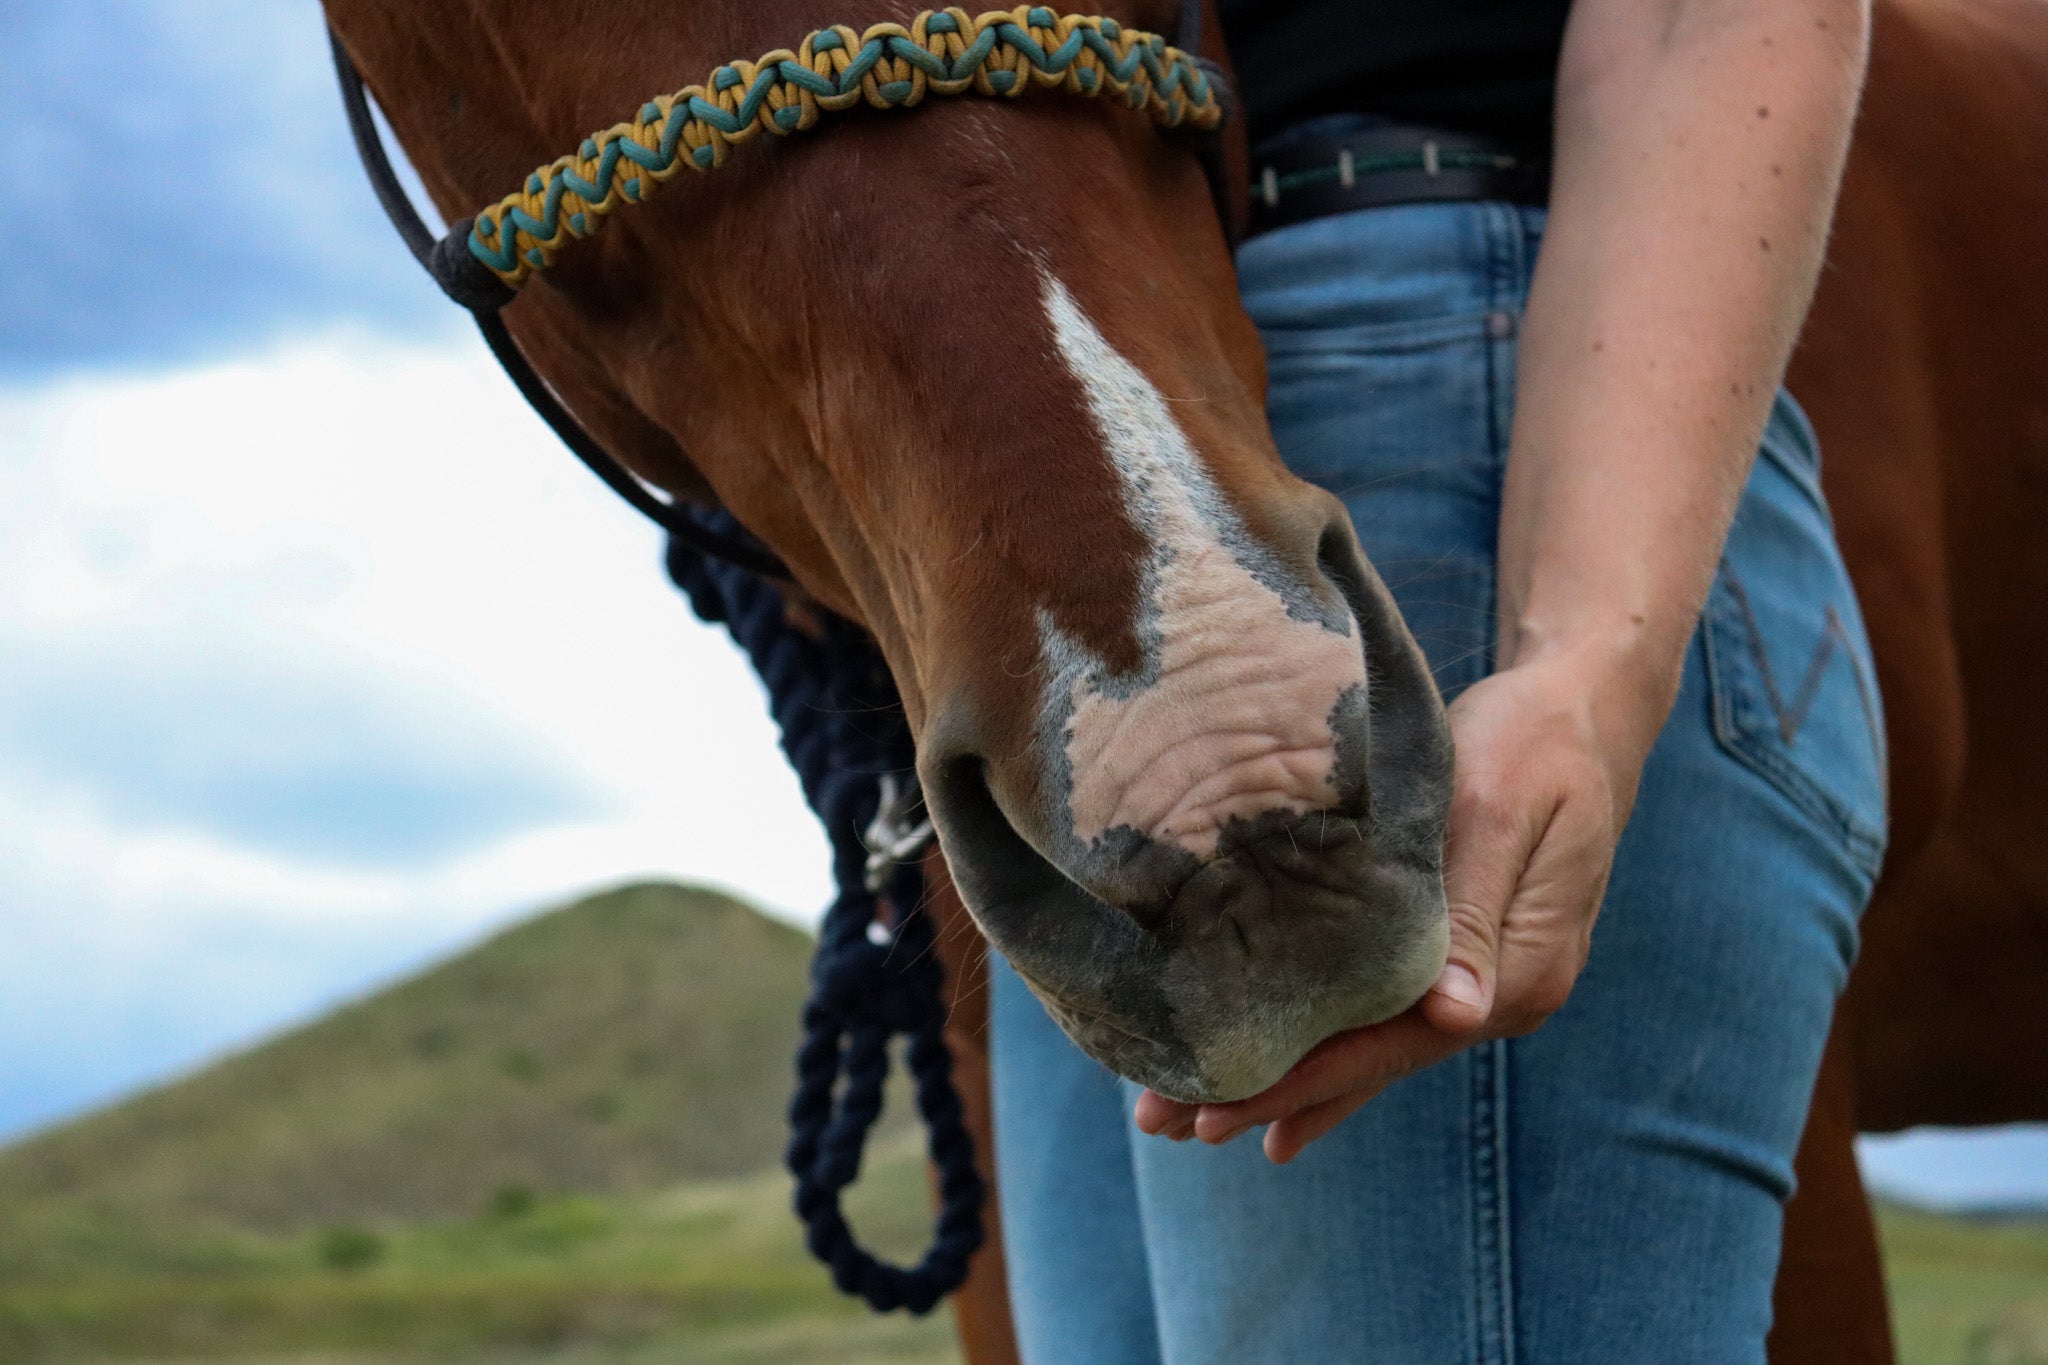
x=1790 y=678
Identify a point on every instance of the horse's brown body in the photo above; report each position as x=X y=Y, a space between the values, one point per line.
x=1925 y=368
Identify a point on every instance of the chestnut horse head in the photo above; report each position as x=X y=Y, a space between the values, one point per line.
x=979 y=375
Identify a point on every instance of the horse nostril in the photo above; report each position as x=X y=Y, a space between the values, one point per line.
x=992 y=852
x=963 y=787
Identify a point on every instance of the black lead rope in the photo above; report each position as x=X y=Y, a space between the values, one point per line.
x=843 y=731
x=842 y=727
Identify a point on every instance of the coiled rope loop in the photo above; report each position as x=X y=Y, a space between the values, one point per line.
x=889 y=66
x=842 y=726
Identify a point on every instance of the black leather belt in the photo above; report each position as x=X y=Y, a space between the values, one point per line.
x=1308 y=177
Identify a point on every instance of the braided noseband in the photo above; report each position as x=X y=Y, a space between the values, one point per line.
x=891 y=66
x=842 y=726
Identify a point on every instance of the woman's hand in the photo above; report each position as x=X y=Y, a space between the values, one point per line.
x=1548 y=757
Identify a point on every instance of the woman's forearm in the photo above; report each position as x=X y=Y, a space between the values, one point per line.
x=1699 y=146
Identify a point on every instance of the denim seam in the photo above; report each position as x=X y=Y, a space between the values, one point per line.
x=1498 y=222
x=1503 y=1061
x=1506 y=287
x=1132 y=1137
x=1790 y=420
x=1493 y=1299
x=1492 y=1314
x=1801 y=477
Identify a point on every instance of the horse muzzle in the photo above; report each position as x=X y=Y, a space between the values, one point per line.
x=1229 y=920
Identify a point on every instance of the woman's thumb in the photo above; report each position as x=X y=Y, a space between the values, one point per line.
x=1487 y=851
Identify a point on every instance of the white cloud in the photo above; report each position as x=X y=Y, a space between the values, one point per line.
x=386 y=513
x=384 y=520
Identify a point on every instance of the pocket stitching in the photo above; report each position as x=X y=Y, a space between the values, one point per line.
x=1864 y=842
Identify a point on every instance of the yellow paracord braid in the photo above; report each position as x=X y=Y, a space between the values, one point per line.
x=890 y=66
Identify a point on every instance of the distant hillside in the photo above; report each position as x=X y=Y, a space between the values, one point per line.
x=626 y=1042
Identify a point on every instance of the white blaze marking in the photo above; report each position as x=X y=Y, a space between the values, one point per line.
x=1231 y=715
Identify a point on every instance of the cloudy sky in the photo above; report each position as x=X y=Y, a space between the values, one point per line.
x=318 y=657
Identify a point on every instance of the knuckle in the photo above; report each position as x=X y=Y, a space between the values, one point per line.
x=1530 y=1006
x=1548 y=995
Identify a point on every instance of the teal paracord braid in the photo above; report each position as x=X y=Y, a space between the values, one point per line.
x=889 y=66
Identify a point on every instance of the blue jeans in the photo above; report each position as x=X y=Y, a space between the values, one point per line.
x=1610 y=1188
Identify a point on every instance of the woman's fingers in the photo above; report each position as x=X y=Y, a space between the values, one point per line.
x=1365 y=1060
x=1490 y=843
x=1532 y=835
x=1162 y=1117
x=1286 y=1138
x=1544 y=939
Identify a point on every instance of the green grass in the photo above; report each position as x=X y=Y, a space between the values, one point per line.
x=1967 y=1291
x=710 y=1273
x=713 y=1273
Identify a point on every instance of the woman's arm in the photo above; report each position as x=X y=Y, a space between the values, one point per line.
x=1699 y=148
x=1699 y=145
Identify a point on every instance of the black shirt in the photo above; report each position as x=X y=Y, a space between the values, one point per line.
x=1463 y=66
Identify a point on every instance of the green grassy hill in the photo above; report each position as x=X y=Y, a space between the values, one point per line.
x=629 y=1041
x=561 y=1144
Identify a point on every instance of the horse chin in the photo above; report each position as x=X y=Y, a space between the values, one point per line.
x=1214 y=995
